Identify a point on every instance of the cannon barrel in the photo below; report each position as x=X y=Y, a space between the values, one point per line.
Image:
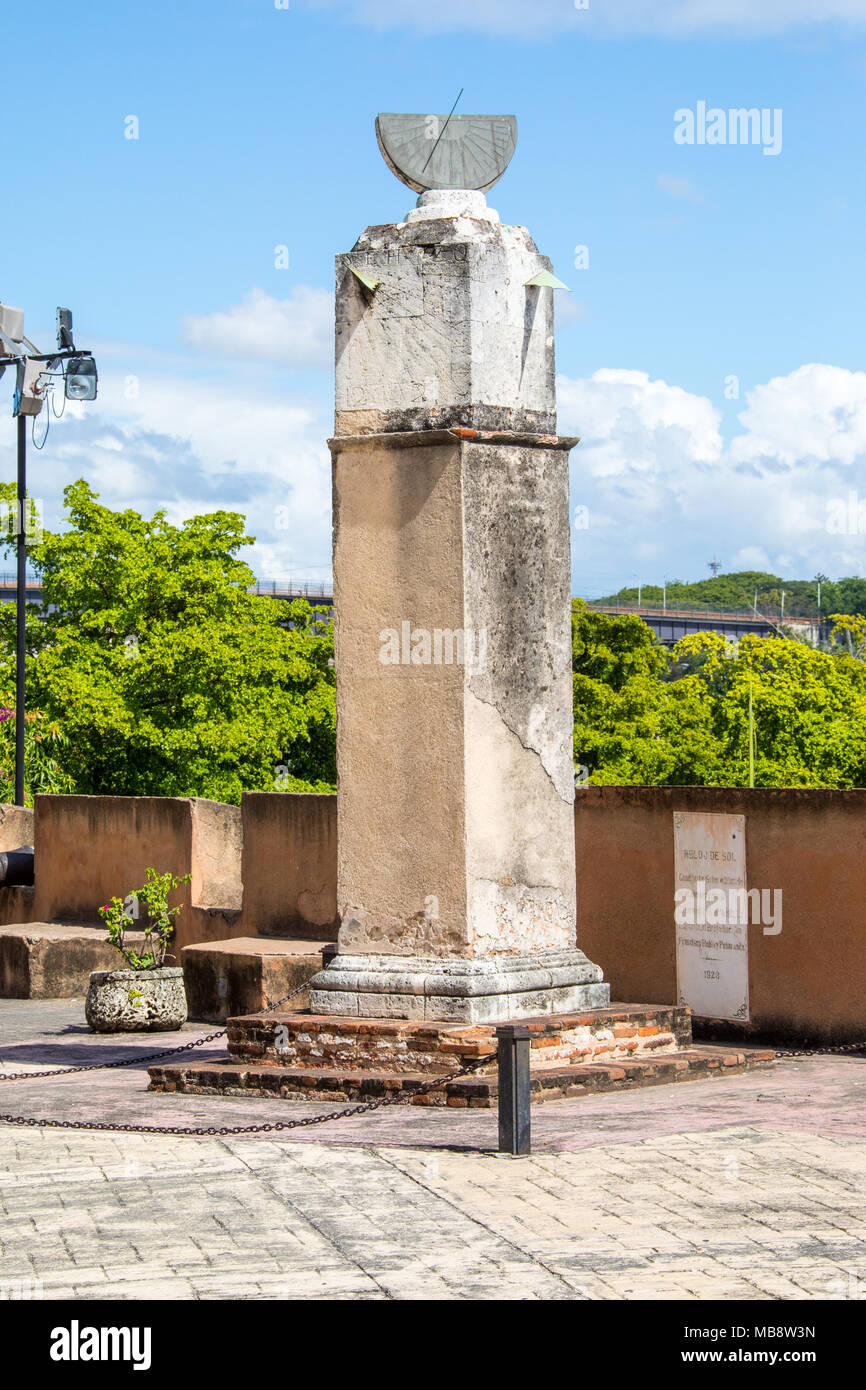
x=16 y=866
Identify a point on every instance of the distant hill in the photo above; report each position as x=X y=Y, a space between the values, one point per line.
x=738 y=591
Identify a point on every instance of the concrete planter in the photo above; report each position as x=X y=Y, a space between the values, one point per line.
x=136 y=1001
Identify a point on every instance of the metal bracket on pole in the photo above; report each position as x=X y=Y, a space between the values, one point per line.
x=513 y=1059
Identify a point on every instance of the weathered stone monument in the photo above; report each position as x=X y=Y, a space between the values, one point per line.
x=455 y=803
x=456 y=880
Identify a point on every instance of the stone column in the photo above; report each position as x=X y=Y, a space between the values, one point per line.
x=452 y=596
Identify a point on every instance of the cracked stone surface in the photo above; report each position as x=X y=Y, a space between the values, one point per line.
x=452 y=335
x=456 y=782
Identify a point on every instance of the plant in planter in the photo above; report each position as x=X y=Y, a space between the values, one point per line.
x=148 y=995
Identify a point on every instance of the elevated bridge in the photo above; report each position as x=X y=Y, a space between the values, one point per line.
x=670 y=624
x=319 y=595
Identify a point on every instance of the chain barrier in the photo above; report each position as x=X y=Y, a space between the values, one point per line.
x=278 y=1126
x=150 y=1056
x=840 y=1049
x=219 y=1131
x=222 y=1130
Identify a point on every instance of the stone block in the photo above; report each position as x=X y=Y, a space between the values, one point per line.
x=289 y=865
x=54 y=960
x=465 y=991
x=452 y=335
x=244 y=974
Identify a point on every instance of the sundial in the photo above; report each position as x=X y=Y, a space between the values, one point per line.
x=446 y=151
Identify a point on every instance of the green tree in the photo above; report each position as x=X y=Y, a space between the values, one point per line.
x=737 y=591
x=809 y=711
x=45 y=746
x=166 y=674
x=643 y=715
x=621 y=704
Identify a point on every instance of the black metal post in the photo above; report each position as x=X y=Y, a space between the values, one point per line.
x=20 y=620
x=513 y=1059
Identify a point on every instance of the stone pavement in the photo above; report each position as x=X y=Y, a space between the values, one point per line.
x=749 y=1188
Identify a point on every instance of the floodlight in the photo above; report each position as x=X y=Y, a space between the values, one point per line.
x=81 y=379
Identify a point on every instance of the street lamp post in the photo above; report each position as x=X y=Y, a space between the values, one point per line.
x=20 y=616
x=79 y=383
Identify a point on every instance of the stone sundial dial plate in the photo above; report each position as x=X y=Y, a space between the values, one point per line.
x=439 y=151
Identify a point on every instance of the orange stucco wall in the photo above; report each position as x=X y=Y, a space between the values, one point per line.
x=810 y=980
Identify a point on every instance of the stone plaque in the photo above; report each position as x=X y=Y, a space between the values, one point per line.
x=711 y=923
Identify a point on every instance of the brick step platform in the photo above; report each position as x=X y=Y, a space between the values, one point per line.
x=698 y=1063
x=302 y=1056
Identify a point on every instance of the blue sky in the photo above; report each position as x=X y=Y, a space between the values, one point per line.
x=706 y=263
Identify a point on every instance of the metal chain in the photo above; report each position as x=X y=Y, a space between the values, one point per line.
x=33 y=1122
x=840 y=1049
x=150 y=1056
x=437 y=1083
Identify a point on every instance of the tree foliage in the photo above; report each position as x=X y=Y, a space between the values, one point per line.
x=166 y=674
x=643 y=715
x=153 y=669
x=738 y=591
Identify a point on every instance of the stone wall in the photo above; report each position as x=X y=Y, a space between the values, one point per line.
x=16 y=827
x=289 y=868
x=91 y=848
x=807 y=981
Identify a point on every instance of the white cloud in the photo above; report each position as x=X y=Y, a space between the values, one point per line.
x=679 y=188
x=189 y=445
x=817 y=414
x=664 y=488
x=540 y=18
x=293 y=332
x=633 y=425
x=751 y=557
x=685 y=17
x=665 y=491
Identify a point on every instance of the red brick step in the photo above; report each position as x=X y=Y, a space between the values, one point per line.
x=697 y=1063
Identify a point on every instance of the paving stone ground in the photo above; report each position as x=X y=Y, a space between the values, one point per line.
x=747 y=1188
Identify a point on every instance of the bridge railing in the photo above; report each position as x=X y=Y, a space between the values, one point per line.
x=759 y=617
x=285 y=588
x=9 y=580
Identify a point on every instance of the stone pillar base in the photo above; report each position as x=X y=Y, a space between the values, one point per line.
x=455 y=990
